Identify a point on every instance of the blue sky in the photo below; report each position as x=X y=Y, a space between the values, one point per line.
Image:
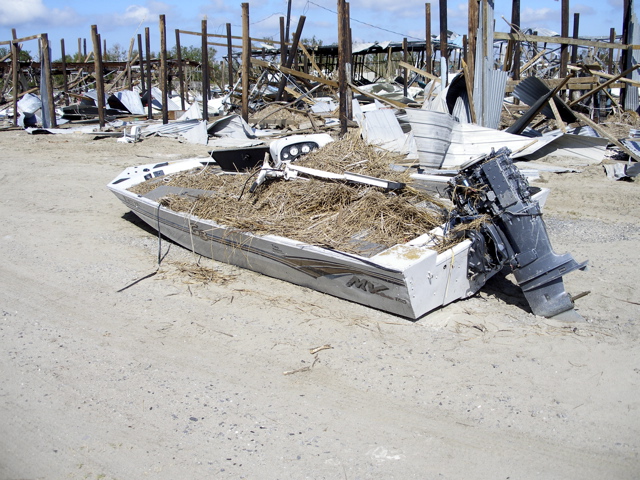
x=119 y=20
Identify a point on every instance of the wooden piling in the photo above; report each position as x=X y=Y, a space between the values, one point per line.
x=625 y=55
x=283 y=43
x=230 y=56
x=246 y=61
x=48 y=79
x=292 y=54
x=149 y=87
x=576 y=27
x=180 y=72
x=464 y=47
x=472 y=38
x=444 y=37
x=205 y=72
x=129 y=60
x=97 y=62
x=428 y=48
x=15 y=70
x=612 y=38
x=163 y=70
x=65 y=84
x=405 y=57
x=515 y=26
x=141 y=62
x=564 y=49
x=343 y=38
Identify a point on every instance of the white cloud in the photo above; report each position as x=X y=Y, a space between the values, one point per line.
x=583 y=9
x=531 y=16
x=17 y=13
x=137 y=14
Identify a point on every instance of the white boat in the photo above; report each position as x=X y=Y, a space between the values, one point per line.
x=409 y=279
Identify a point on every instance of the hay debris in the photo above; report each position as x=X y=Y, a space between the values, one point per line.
x=352 y=218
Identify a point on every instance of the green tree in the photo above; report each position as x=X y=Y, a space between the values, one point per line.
x=193 y=54
x=115 y=54
x=311 y=42
x=24 y=56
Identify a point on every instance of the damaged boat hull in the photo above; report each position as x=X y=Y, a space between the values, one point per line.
x=409 y=279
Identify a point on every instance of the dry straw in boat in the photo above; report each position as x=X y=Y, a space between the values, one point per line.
x=353 y=218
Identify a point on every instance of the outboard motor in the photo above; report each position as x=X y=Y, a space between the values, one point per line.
x=512 y=232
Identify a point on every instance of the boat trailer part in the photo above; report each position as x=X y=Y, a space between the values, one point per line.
x=513 y=232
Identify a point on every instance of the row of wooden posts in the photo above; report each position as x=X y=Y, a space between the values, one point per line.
x=289 y=54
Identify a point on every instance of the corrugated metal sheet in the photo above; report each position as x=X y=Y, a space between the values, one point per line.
x=489 y=84
x=156 y=101
x=586 y=149
x=381 y=128
x=173 y=128
x=131 y=101
x=432 y=133
x=197 y=135
x=469 y=141
x=531 y=89
x=631 y=101
x=444 y=143
x=495 y=85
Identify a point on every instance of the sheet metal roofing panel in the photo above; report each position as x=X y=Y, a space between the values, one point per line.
x=131 y=101
x=631 y=101
x=156 y=100
x=531 y=89
x=489 y=83
x=173 y=128
x=470 y=141
x=197 y=135
x=432 y=133
x=381 y=127
x=587 y=150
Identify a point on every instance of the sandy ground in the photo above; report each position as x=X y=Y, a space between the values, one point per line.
x=172 y=378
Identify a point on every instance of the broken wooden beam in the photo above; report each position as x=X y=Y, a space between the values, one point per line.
x=295 y=73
